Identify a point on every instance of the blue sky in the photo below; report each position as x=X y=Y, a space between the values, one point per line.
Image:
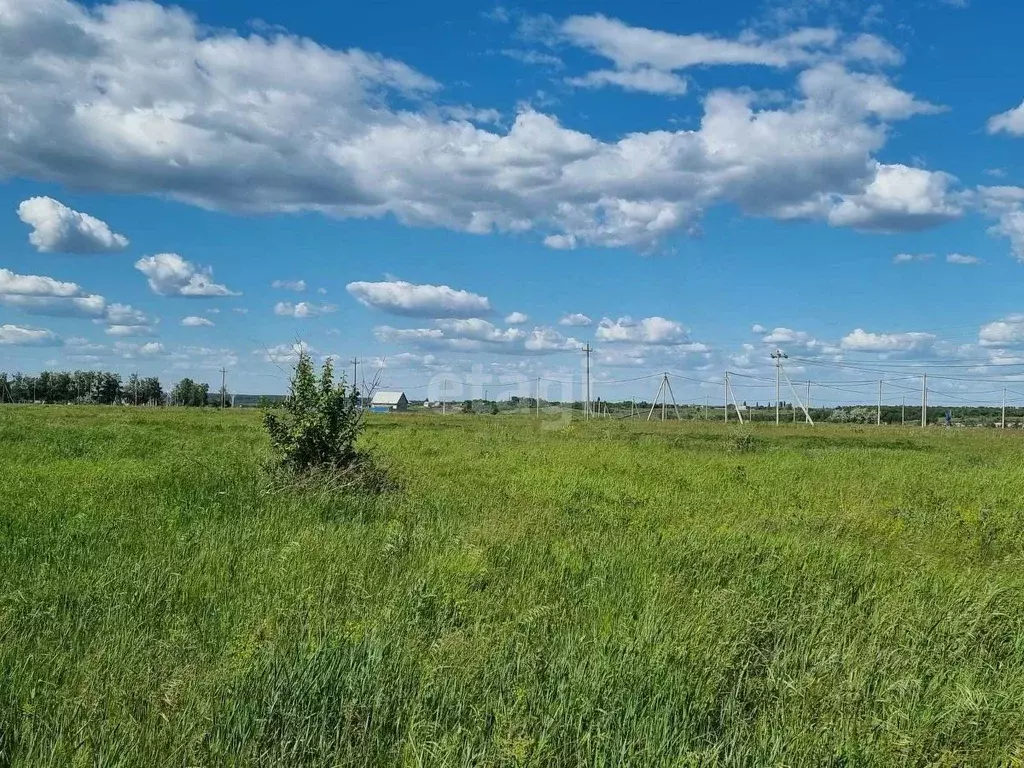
x=206 y=184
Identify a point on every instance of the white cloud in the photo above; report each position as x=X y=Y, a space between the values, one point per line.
x=634 y=47
x=401 y=298
x=12 y=284
x=476 y=335
x=907 y=258
x=861 y=341
x=758 y=328
x=130 y=330
x=18 y=336
x=1006 y=204
x=856 y=94
x=645 y=80
x=59 y=229
x=1011 y=225
x=125 y=314
x=650 y=330
x=285 y=353
x=481 y=330
x=516 y=318
x=533 y=58
x=170 y=275
x=1011 y=122
x=42 y=295
x=576 y=320
x=290 y=285
x=87 y=305
x=151 y=348
x=550 y=340
x=302 y=309
x=899 y=199
x=1008 y=332
x=282 y=124
x=962 y=258
x=192 y=321
x=787 y=336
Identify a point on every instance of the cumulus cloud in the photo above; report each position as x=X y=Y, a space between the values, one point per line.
x=130 y=330
x=193 y=321
x=302 y=309
x=401 y=298
x=632 y=47
x=962 y=258
x=758 y=328
x=576 y=319
x=516 y=318
x=645 y=80
x=285 y=353
x=477 y=335
x=59 y=229
x=282 y=124
x=18 y=336
x=290 y=285
x=899 y=199
x=12 y=284
x=1007 y=205
x=648 y=59
x=650 y=330
x=788 y=336
x=907 y=258
x=170 y=275
x=1011 y=122
x=46 y=296
x=861 y=341
x=1008 y=332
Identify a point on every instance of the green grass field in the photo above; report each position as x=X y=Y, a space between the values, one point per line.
x=606 y=594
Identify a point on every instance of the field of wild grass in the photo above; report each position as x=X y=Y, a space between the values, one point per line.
x=614 y=593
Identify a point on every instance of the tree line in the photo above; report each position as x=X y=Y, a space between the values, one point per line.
x=101 y=388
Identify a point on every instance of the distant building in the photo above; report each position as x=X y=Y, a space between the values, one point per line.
x=386 y=402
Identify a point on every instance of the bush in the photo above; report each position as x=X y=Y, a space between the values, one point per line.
x=317 y=426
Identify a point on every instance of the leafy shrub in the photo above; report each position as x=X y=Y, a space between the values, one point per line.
x=317 y=426
x=746 y=443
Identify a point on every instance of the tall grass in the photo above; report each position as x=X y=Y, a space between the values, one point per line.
x=607 y=594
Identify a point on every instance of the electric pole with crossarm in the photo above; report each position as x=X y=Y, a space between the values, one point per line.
x=778 y=356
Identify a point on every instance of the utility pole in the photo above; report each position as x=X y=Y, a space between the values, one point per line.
x=1002 y=420
x=223 y=386
x=664 y=400
x=878 y=419
x=778 y=356
x=924 y=401
x=726 y=397
x=355 y=371
x=588 y=349
x=135 y=387
x=705 y=407
x=444 y=391
x=538 y=397
x=808 y=395
x=903 y=412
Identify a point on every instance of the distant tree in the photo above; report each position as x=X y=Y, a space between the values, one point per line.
x=190 y=393
x=107 y=388
x=494 y=409
x=152 y=391
x=467 y=407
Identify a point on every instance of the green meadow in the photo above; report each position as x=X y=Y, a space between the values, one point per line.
x=600 y=594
